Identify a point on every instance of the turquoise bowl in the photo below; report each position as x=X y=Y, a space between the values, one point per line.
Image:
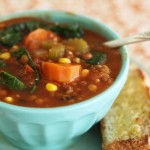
x=56 y=128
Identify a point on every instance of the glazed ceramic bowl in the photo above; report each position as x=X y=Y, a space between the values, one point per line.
x=56 y=128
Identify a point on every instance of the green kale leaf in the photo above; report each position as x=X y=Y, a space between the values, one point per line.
x=98 y=58
x=22 y=51
x=68 y=31
x=11 y=81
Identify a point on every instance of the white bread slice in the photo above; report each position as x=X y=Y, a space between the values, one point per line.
x=127 y=124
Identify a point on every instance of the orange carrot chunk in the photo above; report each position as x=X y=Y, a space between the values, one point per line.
x=34 y=39
x=61 y=72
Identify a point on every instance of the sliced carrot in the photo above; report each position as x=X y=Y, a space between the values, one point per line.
x=28 y=69
x=61 y=72
x=35 y=38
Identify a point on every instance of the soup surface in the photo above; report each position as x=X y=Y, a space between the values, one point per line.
x=48 y=65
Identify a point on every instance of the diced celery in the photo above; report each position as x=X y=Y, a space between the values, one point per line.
x=57 y=51
x=79 y=45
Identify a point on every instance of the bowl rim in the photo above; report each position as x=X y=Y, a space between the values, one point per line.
x=124 y=66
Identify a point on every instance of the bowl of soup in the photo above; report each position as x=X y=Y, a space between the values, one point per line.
x=56 y=78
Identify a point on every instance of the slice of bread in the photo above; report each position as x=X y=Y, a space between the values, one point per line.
x=127 y=124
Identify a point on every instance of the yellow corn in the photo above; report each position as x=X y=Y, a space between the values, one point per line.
x=85 y=72
x=15 y=47
x=5 y=55
x=51 y=87
x=9 y=99
x=64 y=60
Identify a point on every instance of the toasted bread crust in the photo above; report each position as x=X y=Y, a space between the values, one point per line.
x=131 y=144
x=131 y=131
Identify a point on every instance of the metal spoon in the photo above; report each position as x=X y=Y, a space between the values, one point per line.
x=141 y=37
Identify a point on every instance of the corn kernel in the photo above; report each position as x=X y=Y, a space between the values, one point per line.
x=51 y=87
x=15 y=47
x=5 y=55
x=64 y=60
x=9 y=99
x=85 y=72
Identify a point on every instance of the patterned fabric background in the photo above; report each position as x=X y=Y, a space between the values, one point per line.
x=126 y=17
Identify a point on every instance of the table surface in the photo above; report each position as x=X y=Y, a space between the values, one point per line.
x=126 y=17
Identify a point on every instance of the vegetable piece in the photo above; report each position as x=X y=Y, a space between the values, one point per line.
x=80 y=45
x=51 y=87
x=44 y=54
x=34 y=39
x=64 y=60
x=24 y=59
x=23 y=51
x=98 y=58
x=10 y=37
x=92 y=87
x=11 y=81
x=18 y=53
x=61 y=72
x=5 y=55
x=85 y=72
x=15 y=33
x=57 y=51
x=8 y=99
x=2 y=64
x=48 y=44
x=69 y=31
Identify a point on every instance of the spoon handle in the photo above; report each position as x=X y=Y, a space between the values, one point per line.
x=141 y=37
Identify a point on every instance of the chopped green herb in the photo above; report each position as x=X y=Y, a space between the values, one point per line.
x=2 y=64
x=11 y=81
x=98 y=58
x=18 y=53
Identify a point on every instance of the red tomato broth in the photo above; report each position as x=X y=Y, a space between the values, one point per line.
x=44 y=98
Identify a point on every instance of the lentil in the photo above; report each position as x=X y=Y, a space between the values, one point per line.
x=76 y=60
x=69 y=91
x=24 y=59
x=97 y=80
x=105 y=69
x=39 y=101
x=85 y=72
x=92 y=87
x=83 y=83
x=87 y=55
x=32 y=97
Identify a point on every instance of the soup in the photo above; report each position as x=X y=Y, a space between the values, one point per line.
x=45 y=64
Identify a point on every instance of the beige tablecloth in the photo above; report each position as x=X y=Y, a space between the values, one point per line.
x=126 y=17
